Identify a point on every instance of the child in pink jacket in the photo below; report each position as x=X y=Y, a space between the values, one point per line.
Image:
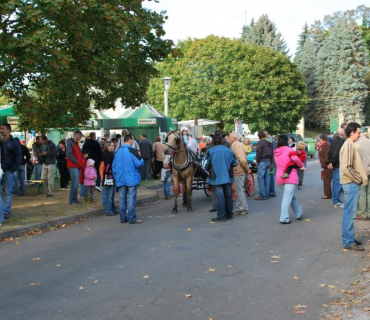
x=90 y=180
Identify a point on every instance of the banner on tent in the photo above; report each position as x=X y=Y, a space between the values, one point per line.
x=146 y=121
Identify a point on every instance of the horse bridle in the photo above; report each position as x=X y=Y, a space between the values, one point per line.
x=174 y=149
x=177 y=141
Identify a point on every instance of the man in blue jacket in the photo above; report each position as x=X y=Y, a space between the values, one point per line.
x=11 y=159
x=220 y=162
x=126 y=165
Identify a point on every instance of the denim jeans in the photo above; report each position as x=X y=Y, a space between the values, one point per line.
x=289 y=200
x=103 y=194
x=264 y=178
x=224 y=201
x=75 y=174
x=351 y=195
x=272 y=183
x=337 y=188
x=145 y=170
x=1 y=207
x=19 y=186
x=37 y=171
x=166 y=189
x=109 y=204
x=82 y=191
x=8 y=181
x=127 y=203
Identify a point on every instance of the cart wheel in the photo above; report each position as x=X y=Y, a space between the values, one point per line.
x=208 y=190
x=249 y=184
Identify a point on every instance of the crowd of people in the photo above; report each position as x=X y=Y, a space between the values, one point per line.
x=119 y=164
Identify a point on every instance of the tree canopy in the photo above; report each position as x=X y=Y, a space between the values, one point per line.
x=264 y=33
x=57 y=57
x=224 y=79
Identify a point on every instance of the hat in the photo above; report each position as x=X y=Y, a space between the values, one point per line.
x=184 y=128
x=90 y=162
x=217 y=132
x=79 y=132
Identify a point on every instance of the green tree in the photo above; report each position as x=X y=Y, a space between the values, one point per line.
x=224 y=79
x=264 y=33
x=70 y=53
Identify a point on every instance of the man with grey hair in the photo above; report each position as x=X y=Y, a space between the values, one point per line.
x=240 y=171
x=363 y=211
x=334 y=151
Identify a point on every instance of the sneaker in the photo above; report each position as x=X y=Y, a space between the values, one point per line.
x=218 y=220
x=98 y=189
x=124 y=221
x=285 y=222
x=299 y=187
x=338 y=205
x=212 y=210
x=136 y=222
x=300 y=218
x=6 y=215
x=49 y=195
x=358 y=242
x=285 y=176
x=354 y=247
x=260 y=198
x=241 y=213
x=271 y=195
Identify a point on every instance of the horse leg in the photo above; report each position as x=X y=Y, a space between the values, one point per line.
x=184 y=195
x=189 y=185
x=176 y=187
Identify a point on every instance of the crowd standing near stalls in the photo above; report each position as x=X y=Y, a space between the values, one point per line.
x=121 y=163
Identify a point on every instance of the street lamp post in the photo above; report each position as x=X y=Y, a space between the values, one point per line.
x=167 y=84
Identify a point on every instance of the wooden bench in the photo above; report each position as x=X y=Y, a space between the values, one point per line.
x=39 y=185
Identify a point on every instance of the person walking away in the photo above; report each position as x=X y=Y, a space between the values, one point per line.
x=120 y=138
x=158 y=153
x=108 y=180
x=36 y=150
x=90 y=177
x=146 y=150
x=75 y=162
x=338 y=141
x=20 y=174
x=265 y=160
x=11 y=160
x=282 y=158
x=166 y=177
x=126 y=165
x=240 y=171
x=352 y=176
x=324 y=162
x=93 y=147
x=363 y=210
x=62 y=165
x=219 y=163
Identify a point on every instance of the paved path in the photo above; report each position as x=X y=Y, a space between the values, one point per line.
x=97 y=269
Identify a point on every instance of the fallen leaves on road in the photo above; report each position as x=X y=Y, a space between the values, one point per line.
x=295 y=278
x=87 y=229
x=58 y=265
x=323 y=285
x=188 y=295
x=345 y=250
x=332 y=286
x=212 y=222
x=146 y=277
x=17 y=243
x=366 y=309
x=275 y=257
x=229 y=266
x=189 y=229
x=96 y=281
x=325 y=306
x=33 y=284
x=81 y=288
x=36 y=259
x=210 y=270
x=300 y=309
x=307 y=220
x=274 y=261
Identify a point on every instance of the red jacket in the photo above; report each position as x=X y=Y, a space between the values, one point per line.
x=75 y=158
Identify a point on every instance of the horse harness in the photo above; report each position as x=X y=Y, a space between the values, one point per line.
x=189 y=156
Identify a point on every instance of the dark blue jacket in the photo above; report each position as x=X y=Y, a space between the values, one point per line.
x=126 y=165
x=11 y=154
x=220 y=162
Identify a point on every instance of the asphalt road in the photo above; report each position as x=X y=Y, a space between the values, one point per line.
x=102 y=269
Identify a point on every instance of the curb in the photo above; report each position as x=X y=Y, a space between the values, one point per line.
x=18 y=232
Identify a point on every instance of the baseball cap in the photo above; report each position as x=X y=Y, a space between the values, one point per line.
x=79 y=132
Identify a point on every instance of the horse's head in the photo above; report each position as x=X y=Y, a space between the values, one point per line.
x=173 y=141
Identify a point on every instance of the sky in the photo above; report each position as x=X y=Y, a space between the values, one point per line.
x=200 y=18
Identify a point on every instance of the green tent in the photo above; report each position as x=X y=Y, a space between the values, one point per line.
x=143 y=119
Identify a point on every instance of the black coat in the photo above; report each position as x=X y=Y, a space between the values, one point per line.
x=335 y=150
x=94 y=151
x=146 y=149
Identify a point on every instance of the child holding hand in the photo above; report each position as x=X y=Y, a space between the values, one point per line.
x=302 y=155
x=90 y=176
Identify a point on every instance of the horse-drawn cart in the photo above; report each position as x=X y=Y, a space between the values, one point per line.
x=199 y=182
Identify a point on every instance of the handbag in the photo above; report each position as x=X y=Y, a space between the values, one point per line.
x=108 y=177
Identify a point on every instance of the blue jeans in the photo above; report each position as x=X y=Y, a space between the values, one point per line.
x=272 y=183
x=351 y=195
x=337 y=188
x=8 y=181
x=264 y=178
x=289 y=200
x=103 y=194
x=127 y=203
x=1 y=208
x=166 y=189
x=19 y=186
x=108 y=195
x=37 y=171
x=82 y=191
x=75 y=174
x=224 y=201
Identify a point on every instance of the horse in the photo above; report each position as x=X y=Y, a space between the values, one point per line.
x=182 y=167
